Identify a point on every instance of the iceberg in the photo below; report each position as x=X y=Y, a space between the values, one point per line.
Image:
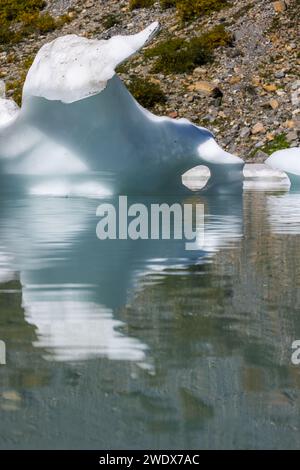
x=80 y=132
x=287 y=160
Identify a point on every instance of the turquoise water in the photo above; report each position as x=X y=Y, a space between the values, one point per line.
x=141 y=344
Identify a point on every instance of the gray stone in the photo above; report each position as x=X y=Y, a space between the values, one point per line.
x=260 y=157
x=291 y=136
x=245 y=132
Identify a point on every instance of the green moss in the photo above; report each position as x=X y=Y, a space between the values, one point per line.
x=147 y=93
x=123 y=68
x=279 y=143
x=16 y=86
x=110 y=20
x=216 y=37
x=242 y=12
x=34 y=22
x=191 y=9
x=12 y=10
x=167 y=4
x=135 y=4
x=5 y=33
x=19 y=19
x=179 y=55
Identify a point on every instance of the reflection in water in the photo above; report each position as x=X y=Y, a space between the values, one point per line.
x=141 y=344
x=284 y=213
x=72 y=282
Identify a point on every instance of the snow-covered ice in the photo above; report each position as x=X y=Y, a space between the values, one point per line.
x=72 y=68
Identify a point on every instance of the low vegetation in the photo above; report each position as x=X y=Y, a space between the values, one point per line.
x=12 y=10
x=146 y=92
x=16 y=86
x=22 y=18
x=167 y=4
x=279 y=143
x=135 y=4
x=188 y=10
x=111 y=20
x=191 y=9
x=179 y=55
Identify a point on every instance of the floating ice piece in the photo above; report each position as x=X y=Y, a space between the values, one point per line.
x=78 y=117
x=288 y=161
x=256 y=176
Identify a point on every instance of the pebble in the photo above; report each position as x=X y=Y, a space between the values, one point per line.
x=173 y=114
x=258 y=128
x=274 y=104
x=245 y=132
x=292 y=136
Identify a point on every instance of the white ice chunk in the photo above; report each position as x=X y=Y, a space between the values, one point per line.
x=71 y=68
x=287 y=160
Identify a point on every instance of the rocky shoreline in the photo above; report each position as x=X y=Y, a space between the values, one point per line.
x=258 y=108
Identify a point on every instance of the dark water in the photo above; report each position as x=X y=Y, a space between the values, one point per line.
x=140 y=344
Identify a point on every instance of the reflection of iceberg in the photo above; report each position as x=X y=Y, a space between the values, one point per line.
x=76 y=329
x=284 y=213
x=74 y=285
x=78 y=118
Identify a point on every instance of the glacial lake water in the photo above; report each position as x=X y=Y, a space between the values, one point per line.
x=139 y=344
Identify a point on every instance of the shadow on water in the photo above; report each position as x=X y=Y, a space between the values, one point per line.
x=142 y=344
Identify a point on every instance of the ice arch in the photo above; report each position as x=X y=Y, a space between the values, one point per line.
x=78 y=118
x=196 y=178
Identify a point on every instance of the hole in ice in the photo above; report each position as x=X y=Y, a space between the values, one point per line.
x=196 y=178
